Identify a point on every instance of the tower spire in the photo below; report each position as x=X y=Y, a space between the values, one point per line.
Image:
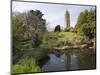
x=67 y=19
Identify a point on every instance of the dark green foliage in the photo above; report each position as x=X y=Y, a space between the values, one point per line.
x=36 y=40
x=28 y=26
x=35 y=22
x=57 y=28
x=28 y=29
x=18 y=32
x=17 y=29
x=86 y=23
x=36 y=26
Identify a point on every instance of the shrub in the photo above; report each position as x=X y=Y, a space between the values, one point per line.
x=36 y=41
x=57 y=28
x=25 y=66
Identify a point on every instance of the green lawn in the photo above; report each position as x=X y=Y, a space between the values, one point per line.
x=63 y=38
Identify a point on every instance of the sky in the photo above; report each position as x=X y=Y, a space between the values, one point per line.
x=53 y=13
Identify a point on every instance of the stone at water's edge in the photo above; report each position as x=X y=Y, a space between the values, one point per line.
x=70 y=47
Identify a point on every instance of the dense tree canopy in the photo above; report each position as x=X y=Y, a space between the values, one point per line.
x=34 y=22
x=18 y=30
x=29 y=25
x=57 y=28
x=86 y=23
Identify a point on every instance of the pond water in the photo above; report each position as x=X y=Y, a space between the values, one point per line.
x=70 y=60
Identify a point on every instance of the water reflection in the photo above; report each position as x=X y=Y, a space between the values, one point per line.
x=54 y=64
x=71 y=60
x=61 y=63
x=74 y=63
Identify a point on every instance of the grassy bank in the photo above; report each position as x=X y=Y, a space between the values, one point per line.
x=52 y=39
x=26 y=65
x=29 y=60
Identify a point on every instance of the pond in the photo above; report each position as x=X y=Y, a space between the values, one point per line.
x=74 y=59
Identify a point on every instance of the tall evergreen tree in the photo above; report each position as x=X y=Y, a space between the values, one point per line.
x=57 y=28
x=86 y=23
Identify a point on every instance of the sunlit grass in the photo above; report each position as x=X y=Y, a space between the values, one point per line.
x=52 y=39
x=26 y=65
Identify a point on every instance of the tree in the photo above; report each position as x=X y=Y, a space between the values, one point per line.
x=17 y=34
x=86 y=23
x=28 y=26
x=18 y=30
x=57 y=28
x=35 y=25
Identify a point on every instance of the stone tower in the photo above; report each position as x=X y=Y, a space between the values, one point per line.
x=67 y=20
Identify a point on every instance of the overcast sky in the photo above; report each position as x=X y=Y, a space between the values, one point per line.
x=53 y=13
